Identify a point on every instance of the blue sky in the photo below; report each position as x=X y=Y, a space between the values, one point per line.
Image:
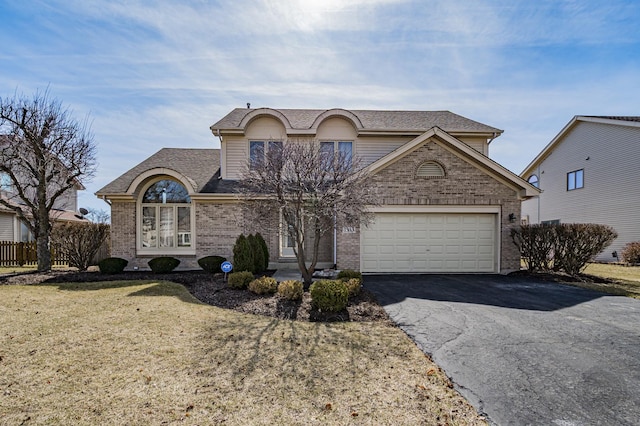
x=158 y=74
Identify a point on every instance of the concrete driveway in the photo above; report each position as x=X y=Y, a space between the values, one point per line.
x=523 y=351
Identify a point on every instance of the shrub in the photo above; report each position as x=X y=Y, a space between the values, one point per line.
x=240 y=279
x=535 y=243
x=353 y=286
x=564 y=247
x=578 y=243
x=263 y=285
x=211 y=263
x=112 y=265
x=347 y=274
x=631 y=252
x=242 y=255
x=163 y=264
x=265 y=250
x=329 y=295
x=290 y=289
x=79 y=241
x=257 y=254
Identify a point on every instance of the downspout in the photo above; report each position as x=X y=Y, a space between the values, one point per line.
x=335 y=240
x=217 y=133
x=106 y=200
x=495 y=135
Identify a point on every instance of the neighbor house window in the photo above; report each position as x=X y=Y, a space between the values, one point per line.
x=166 y=220
x=533 y=180
x=343 y=148
x=575 y=180
x=259 y=149
x=6 y=184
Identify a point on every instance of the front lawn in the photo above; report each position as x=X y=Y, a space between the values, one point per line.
x=147 y=352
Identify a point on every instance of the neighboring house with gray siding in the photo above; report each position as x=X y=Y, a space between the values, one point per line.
x=445 y=206
x=589 y=173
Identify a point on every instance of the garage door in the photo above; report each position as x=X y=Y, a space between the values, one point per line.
x=429 y=242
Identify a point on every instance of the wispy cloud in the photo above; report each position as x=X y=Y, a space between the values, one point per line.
x=157 y=74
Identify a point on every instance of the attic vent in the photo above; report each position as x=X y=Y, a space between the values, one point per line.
x=430 y=169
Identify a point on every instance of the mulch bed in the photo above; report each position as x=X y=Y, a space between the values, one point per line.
x=211 y=289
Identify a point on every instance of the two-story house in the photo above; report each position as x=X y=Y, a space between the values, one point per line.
x=445 y=206
x=588 y=173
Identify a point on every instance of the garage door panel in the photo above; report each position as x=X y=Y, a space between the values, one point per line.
x=430 y=242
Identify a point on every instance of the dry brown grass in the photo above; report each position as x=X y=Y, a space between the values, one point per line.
x=142 y=353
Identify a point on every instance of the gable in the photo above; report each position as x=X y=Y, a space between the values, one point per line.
x=460 y=150
x=399 y=182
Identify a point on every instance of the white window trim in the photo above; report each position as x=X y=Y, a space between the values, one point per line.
x=165 y=251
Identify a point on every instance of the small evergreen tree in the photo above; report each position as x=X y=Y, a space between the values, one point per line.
x=242 y=255
x=265 y=249
x=258 y=254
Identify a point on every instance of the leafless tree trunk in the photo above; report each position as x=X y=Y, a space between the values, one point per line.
x=309 y=188
x=46 y=155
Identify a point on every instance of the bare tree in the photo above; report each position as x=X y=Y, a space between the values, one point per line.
x=98 y=216
x=313 y=189
x=45 y=153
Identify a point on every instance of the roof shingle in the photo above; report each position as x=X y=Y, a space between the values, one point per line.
x=302 y=119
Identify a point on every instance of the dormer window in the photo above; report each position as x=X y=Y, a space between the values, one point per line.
x=343 y=148
x=259 y=149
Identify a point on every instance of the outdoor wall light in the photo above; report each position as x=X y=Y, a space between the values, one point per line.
x=512 y=217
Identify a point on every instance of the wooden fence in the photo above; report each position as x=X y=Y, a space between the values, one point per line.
x=26 y=254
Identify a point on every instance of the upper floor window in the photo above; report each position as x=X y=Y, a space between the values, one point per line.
x=533 y=180
x=166 y=221
x=259 y=149
x=343 y=148
x=575 y=179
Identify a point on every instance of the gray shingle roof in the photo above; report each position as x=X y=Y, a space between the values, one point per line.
x=301 y=119
x=200 y=165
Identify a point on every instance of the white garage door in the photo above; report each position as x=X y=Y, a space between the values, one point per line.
x=429 y=242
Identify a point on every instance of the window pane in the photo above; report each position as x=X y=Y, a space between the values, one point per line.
x=256 y=152
x=167 y=229
x=345 y=149
x=533 y=180
x=149 y=234
x=184 y=227
x=166 y=191
x=326 y=148
x=579 y=179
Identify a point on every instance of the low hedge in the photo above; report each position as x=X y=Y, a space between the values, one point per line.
x=240 y=280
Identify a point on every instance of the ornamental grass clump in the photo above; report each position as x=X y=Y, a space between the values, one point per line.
x=329 y=295
x=263 y=285
x=240 y=280
x=291 y=289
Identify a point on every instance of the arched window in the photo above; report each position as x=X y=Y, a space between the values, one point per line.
x=533 y=180
x=166 y=219
x=430 y=169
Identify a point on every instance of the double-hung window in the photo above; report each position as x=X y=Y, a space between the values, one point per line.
x=344 y=149
x=575 y=180
x=260 y=150
x=166 y=218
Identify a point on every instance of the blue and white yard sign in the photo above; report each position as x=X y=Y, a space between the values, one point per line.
x=226 y=267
